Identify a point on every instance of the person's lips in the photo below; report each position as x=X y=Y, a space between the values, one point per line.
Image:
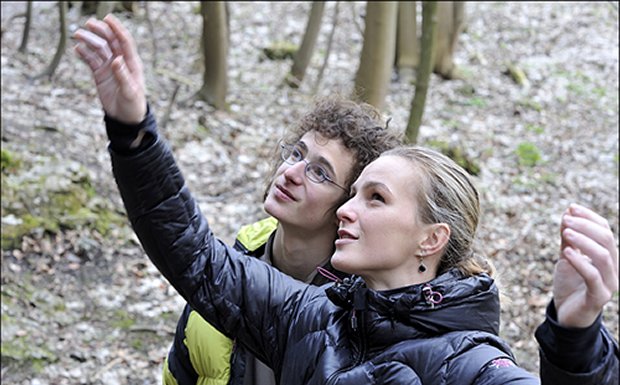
x=345 y=237
x=283 y=193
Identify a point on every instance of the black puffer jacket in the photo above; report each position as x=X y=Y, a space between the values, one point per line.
x=343 y=334
x=358 y=337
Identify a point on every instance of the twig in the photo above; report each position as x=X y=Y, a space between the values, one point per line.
x=355 y=22
x=107 y=367
x=26 y=34
x=149 y=329
x=149 y=22
x=10 y=20
x=62 y=43
x=174 y=76
x=166 y=118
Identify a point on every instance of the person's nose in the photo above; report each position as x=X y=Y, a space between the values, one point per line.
x=346 y=212
x=295 y=172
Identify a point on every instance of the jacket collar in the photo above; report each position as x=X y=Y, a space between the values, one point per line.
x=450 y=302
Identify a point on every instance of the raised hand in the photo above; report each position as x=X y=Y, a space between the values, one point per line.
x=110 y=52
x=586 y=276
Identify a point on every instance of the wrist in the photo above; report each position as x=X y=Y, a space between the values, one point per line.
x=130 y=115
x=573 y=320
x=571 y=349
x=129 y=139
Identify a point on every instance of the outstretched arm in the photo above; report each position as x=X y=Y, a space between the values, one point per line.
x=110 y=52
x=241 y=296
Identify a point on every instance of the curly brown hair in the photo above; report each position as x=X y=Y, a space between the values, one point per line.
x=360 y=126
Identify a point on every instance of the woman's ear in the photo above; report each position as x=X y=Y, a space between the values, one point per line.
x=437 y=237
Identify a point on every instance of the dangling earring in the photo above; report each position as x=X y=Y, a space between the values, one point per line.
x=422 y=267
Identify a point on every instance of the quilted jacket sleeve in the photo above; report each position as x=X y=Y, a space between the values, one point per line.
x=581 y=357
x=242 y=297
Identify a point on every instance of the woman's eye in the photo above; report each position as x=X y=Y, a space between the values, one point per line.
x=377 y=197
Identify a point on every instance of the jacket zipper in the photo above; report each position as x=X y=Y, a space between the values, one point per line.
x=362 y=348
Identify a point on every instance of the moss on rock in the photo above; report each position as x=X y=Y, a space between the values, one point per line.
x=280 y=50
x=51 y=196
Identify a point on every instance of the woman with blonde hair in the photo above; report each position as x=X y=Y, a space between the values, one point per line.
x=421 y=307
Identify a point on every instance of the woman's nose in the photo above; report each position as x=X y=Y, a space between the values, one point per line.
x=345 y=212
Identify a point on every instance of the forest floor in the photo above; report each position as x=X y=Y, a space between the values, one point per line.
x=81 y=303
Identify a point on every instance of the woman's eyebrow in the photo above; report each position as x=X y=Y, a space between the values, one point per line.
x=376 y=185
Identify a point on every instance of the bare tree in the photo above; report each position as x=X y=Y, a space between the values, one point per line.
x=328 y=51
x=375 y=68
x=62 y=42
x=451 y=20
x=215 y=52
x=305 y=51
x=429 y=27
x=407 y=47
x=104 y=7
x=26 y=34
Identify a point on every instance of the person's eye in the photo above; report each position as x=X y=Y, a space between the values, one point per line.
x=296 y=154
x=377 y=197
x=319 y=173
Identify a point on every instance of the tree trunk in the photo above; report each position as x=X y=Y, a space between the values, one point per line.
x=62 y=43
x=407 y=55
x=24 y=43
x=130 y=6
x=451 y=20
x=104 y=7
x=304 y=53
x=373 y=75
x=429 y=27
x=215 y=51
x=328 y=51
x=89 y=7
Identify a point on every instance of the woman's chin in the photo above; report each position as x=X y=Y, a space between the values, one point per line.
x=340 y=262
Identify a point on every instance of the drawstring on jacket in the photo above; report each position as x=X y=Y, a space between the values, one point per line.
x=328 y=274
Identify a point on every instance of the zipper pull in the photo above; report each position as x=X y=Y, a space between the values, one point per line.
x=353 y=321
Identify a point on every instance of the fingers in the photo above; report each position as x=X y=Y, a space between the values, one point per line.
x=94 y=50
x=582 y=211
x=592 y=226
x=88 y=56
x=105 y=32
x=589 y=245
x=598 y=293
x=109 y=39
x=125 y=42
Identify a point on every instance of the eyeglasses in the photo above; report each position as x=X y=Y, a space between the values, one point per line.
x=316 y=173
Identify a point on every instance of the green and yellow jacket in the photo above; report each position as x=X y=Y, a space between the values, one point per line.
x=200 y=355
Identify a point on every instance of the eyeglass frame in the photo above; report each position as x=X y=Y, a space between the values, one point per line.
x=290 y=148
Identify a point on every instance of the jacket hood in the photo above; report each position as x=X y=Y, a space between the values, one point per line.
x=450 y=302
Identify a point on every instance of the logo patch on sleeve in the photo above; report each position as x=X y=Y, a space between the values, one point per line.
x=501 y=363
